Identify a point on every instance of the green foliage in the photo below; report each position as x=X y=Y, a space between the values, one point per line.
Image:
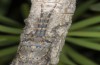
x=10 y=30
x=8 y=40
x=83 y=34
x=85 y=43
x=9 y=21
x=95 y=7
x=85 y=23
x=78 y=57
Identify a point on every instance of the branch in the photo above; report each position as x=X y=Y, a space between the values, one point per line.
x=45 y=32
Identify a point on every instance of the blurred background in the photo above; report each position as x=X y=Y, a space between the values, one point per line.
x=82 y=46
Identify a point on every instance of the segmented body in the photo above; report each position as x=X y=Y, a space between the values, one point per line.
x=41 y=27
x=42 y=24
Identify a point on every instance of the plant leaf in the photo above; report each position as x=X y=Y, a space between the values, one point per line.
x=10 y=30
x=95 y=7
x=7 y=40
x=66 y=60
x=8 y=51
x=85 y=34
x=77 y=57
x=92 y=39
x=84 y=43
x=95 y=28
x=84 y=23
x=8 y=21
x=60 y=63
x=5 y=59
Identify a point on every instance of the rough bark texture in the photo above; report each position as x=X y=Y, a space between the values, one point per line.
x=45 y=31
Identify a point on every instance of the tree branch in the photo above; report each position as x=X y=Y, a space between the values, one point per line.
x=45 y=32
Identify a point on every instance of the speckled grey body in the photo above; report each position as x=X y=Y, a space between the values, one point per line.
x=44 y=33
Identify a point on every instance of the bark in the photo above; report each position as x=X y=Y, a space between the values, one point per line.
x=45 y=31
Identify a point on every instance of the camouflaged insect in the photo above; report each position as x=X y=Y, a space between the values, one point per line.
x=44 y=33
